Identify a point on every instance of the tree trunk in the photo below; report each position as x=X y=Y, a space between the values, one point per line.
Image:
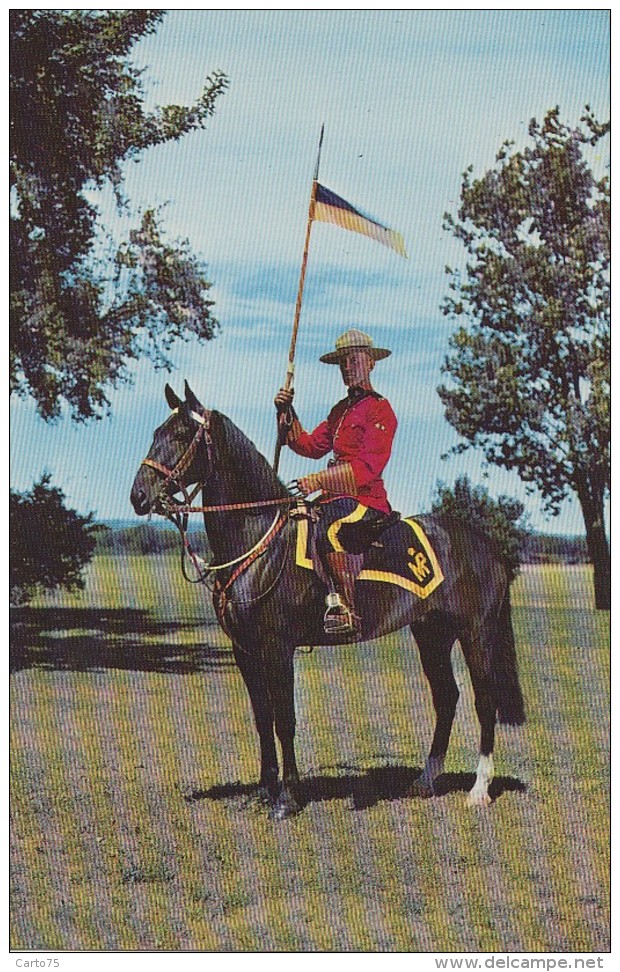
x=598 y=547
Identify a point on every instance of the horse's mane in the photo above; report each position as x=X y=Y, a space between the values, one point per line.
x=253 y=472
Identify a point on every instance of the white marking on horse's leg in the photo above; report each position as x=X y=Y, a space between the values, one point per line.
x=479 y=794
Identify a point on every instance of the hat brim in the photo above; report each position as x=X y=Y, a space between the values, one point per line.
x=335 y=357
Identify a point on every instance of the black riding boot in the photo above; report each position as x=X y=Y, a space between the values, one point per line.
x=341 y=619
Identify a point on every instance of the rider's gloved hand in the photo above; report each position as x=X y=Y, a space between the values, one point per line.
x=284 y=399
x=306 y=485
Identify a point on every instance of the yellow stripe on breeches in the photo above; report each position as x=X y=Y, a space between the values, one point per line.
x=333 y=530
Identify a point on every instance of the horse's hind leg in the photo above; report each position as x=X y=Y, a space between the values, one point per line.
x=250 y=666
x=477 y=647
x=435 y=641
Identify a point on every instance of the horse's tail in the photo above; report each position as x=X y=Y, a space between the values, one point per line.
x=510 y=708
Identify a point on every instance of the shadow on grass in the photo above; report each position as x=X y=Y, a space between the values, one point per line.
x=96 y=639
x=364 y=789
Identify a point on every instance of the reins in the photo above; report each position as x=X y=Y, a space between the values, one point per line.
x=221 y=590
x=224 y=507
x=248 y=556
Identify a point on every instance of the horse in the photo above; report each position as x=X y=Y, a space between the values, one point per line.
x=269 y=606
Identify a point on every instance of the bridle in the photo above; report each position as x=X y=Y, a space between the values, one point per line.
x=178 y=513
x=175 y=475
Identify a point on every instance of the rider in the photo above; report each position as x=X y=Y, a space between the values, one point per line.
x=353 y=500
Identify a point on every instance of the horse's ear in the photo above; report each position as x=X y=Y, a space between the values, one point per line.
x=172 y=398
x=192 y=401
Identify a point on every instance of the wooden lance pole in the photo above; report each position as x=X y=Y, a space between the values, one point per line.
x=288 y=381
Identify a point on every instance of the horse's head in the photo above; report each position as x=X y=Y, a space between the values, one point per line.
x=178 y=458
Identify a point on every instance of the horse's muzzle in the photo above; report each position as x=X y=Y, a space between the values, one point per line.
x=140 y=502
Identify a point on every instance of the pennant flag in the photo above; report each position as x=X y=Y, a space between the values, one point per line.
x=330 y=208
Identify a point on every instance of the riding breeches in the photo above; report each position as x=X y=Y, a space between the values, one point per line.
x=345 y=525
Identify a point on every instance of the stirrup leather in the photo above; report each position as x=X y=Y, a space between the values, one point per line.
x=338 y=616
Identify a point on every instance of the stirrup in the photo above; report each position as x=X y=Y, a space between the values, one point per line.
x=339 y=619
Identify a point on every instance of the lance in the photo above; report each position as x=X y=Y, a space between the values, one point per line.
x=288 y=381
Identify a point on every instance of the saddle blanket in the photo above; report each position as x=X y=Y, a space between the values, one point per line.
x=403 y=555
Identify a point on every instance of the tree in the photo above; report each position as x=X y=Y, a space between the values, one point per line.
x=530 y=369
x=82 y=306
x=49 y=544
x=503 y=519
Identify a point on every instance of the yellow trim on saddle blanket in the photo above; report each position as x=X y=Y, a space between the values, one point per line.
x=419 y=564
x=333 y=530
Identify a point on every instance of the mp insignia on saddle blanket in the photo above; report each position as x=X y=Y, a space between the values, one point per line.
x=273 y=605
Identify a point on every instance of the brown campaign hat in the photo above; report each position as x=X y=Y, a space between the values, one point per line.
x=354 y=340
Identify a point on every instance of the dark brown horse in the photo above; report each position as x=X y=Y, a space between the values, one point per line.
x=269 y=606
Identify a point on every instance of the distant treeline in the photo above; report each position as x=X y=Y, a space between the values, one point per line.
x=541 y=548
x=148 y=538
x=145 y=538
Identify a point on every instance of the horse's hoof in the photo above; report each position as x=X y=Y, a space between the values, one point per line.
x=285 y=806
x=422 y=789
x=259 y=799
x=478 y=799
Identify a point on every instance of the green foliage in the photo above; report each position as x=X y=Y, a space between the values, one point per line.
x=529 y=368
x=502 y=519
x=83 y=307
x=49 y=544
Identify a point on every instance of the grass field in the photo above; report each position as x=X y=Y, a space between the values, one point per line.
x=133 y=749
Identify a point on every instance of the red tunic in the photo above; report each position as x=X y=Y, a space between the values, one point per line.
x=360 y=432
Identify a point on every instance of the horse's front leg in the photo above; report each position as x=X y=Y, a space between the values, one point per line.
x=250 y=666
x=279 y=673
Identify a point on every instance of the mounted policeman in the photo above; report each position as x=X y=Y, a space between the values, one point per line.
x=353 y=504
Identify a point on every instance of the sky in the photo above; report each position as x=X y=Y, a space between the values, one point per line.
x=409 y=100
